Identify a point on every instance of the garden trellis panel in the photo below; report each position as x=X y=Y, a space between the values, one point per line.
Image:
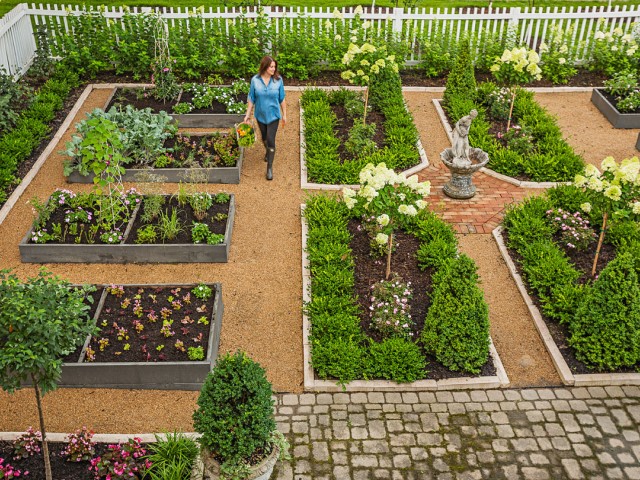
x=412 y=27
x=17 y=43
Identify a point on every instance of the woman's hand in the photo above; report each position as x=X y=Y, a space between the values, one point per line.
x=246 y=118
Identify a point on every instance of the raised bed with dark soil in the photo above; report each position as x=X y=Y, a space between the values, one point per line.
x=341 y=130
x=61 y=469
x=214 y=117
x=606 y=103
x=132 y=351
x=370 y=270
x=127 y=251
x=220 y=173
x=582 y=261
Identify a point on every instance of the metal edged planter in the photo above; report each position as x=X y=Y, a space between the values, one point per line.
x=193 y=120
x=187 y=375
x=225 y=175
x=617 y=119
x=129 y=252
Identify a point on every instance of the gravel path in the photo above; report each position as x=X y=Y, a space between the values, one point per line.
x=262 y=287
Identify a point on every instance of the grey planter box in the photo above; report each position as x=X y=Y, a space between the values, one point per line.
x=188 y=375
x=617 y=119
x=198 y=120
x=174 y=175
x=129 y=253
x=638 y=142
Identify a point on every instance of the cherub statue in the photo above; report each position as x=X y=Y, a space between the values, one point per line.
x=460 y=145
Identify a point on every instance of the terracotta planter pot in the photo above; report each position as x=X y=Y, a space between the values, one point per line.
x=261 y=471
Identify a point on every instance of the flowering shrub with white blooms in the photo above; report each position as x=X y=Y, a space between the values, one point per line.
x=389 y=196
x=516 y=67
x=615 y=190
x=613 y=50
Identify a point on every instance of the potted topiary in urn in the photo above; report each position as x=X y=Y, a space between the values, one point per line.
x=235 y=417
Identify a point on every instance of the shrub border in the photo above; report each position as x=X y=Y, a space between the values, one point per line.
x=500 y=380
x=567 y=377
x=500 y=176
x=304 y=181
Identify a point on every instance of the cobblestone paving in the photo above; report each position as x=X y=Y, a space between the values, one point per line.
x=560 y=433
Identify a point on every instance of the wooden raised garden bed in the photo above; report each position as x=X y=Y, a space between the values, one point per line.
x=617 y=119
x=203 y=118
x=127 y=251
x=225 y=175
x=143 y=364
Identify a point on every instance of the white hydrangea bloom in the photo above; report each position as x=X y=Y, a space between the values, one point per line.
x=358 y=10
x=382 y=238
x=636 y=208
x=348 y=192
x=599 y=35
x=596 y=184
x=585 y=207
x=580 y=180
x=591 y=171
x=383 y=220
x=421 y=204
x=613 y=192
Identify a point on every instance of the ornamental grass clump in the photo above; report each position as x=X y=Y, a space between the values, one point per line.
x=235 y=416
x=391 y=197
x=615 y=192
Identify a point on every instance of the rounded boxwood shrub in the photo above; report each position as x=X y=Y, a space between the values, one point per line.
x=395 y=359
x=235 y=410
x=456 y=329
x=340 y=358
x=605 y=331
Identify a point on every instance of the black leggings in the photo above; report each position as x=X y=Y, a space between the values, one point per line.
x=268 y=132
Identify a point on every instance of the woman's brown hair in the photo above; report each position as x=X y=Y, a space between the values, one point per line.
x=264 y=65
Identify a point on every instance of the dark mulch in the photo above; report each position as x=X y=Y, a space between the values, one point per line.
x=142 y=345
x=583 y=262
x=187 y=217
x=60 y=468
x=370 y=270
x=139 y=98
x=204 y=149
x=345 y=123
x=216 y=106
x=614 y=101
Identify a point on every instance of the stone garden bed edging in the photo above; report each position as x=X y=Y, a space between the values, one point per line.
x=311 y=384
x=567 y=377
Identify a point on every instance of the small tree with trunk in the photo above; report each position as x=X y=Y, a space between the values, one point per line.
x=41 y=321
x=391 y=198
x=615 y=191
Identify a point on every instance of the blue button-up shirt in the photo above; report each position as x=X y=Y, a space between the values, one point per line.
x=266 y=98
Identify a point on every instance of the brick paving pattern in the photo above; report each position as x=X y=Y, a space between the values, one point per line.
x=480 y=214
x=555 y=433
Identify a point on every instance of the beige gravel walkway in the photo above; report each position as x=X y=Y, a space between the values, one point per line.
x=262 y=281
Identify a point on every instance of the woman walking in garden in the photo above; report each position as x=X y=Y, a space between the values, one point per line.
x=266 y=100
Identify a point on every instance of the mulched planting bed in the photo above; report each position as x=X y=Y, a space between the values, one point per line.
x=139 y=98
x=370 y=270
x=204 y=151
x=60 y=468
x=151 y=324
x=186 y=217
x=216 y=107
x=345 y=123
x=583 y=261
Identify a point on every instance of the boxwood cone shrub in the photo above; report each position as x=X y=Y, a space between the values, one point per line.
x=456 y=329
x=461 y=81
x=235 y=411
x=606 y=329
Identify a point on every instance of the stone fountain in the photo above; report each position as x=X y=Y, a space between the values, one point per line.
x=462 y=160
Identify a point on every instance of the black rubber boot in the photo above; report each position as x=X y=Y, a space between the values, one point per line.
x=266 y=149
x=271 y=152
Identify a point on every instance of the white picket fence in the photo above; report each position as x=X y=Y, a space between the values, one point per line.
x=412 y=26
x=17 y=43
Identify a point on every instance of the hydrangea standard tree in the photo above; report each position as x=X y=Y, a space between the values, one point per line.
x=41 y=321
x=363 y=63
x=389 y=196
x=615 y=191
x=516 y=67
